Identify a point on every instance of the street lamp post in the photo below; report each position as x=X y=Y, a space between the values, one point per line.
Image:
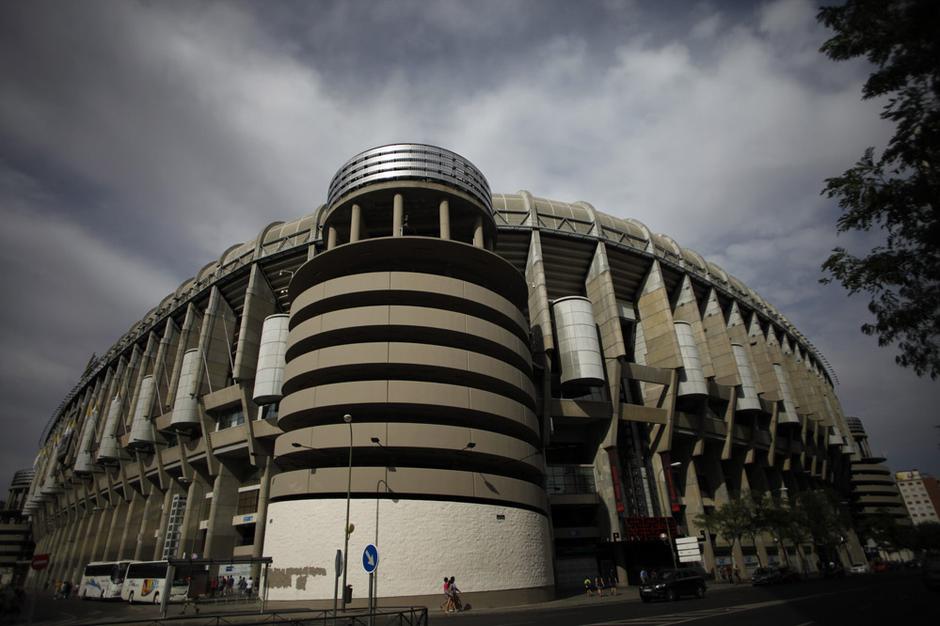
x=668 y=533
x=375 y=578
x=348 y=419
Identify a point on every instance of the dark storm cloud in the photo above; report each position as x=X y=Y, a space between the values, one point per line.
x=139 y=140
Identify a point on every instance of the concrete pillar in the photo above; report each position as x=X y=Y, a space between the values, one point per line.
x=398 y=211
x=445 y=219
x=220 y=534
x=164 y=520
x=747 y=492
x=694 y=507
x=57 y=534
x=131 y=527
x=77 y=562
x=113 y=538
x=261 y=518
x=355 y=223
x=60 y=567
x=478 y=232
x=331 y=238
x=150 y=520
x=195 y=500
x=101 y=528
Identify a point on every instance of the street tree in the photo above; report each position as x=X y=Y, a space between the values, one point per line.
x=882 y=529
x=730 y=521
x=825 y=522
x=778 y=519
x=895 y=190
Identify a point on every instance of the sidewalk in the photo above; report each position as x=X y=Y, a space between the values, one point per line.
x=624 y=595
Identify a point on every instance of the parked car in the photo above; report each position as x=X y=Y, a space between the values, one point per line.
x=833 y=570
x=773 y=576
x=859 y=568
x=672 y=584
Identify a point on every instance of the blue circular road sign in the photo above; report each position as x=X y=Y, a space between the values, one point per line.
x=370 y=558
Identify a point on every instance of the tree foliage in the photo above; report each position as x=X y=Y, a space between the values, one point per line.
x=819 y=513
x=730 y=521
x=898 y=190
x=883 y=529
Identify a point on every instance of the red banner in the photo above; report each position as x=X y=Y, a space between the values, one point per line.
x=40 y=561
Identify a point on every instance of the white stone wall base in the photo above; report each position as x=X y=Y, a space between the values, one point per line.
x=419 y=543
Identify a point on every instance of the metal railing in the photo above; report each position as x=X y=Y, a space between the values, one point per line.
x=569 y=479
x=392 y=616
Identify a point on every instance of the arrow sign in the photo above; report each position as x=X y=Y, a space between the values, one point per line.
x=370 y=558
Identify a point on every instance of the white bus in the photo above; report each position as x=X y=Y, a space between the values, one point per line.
x=103 y=580
x=146 y=582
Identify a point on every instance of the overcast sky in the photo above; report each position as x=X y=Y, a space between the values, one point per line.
x=139 y=140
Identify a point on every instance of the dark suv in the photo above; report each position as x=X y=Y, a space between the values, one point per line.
x=671 y=584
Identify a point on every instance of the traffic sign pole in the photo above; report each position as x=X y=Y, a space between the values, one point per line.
x=371 y=600
x=337 y=566
x=370 y=561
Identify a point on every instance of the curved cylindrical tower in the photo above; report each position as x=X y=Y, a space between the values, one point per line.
x=185 y=411
x=142 y=434
x=413 y=327
x=579 y=350
x=269 y=378
x=691 y=378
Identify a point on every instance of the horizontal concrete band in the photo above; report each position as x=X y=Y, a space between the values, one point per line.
x=409 y=402
x=425 y=255
x=409 y=483
x=418 y=289
x=407 y=361
x=411 y=445
x=495 y=346
x=404 y=315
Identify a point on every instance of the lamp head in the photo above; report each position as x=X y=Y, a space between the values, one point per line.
x=347 y=418
x=374 y=440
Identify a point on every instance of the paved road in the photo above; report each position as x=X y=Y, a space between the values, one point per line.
x=897 y=599
x=882 y=600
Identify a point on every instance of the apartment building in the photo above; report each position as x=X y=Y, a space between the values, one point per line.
x=16 y=541
x=921 y=494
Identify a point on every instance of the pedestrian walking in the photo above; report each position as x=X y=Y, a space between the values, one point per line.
x=189 y=600
x=455 y=595
x=644 y=576
x=249 y=585
x=445 y=605
x=599 y=585
x=589 y=586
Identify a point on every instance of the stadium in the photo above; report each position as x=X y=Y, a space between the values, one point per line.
x=512 y=390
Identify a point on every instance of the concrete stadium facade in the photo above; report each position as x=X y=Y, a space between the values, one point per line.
x=528 y=392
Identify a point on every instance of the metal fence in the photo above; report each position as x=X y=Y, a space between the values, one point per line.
x=394 y=616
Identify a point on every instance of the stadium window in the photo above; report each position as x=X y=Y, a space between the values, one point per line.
x=247 y=502
x=229 y=418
